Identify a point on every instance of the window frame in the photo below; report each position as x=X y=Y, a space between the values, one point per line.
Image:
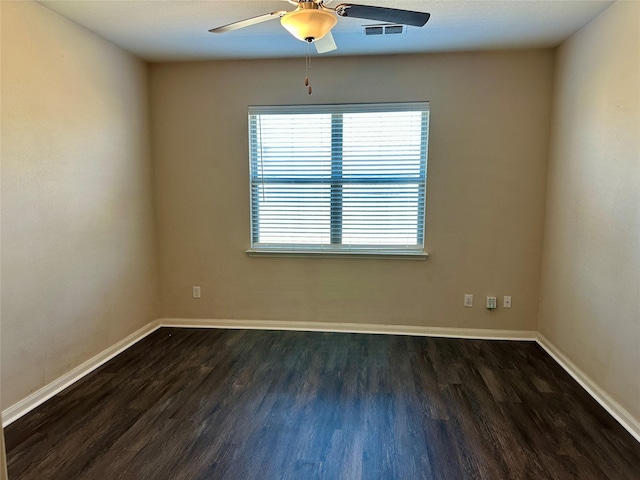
x=335 y=248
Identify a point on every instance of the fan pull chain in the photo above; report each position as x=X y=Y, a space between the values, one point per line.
x=307 y=83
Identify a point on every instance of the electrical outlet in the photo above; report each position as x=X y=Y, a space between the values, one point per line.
x=468 y=300
x=196 y=291
x=491 y=303
x=506 y=301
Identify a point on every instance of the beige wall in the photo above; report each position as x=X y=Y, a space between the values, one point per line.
x=590 y=290
x=79 y=268
x=488 y=149
x=3 y=460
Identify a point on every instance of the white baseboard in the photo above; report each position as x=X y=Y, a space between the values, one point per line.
x=43 y=394
x=481 y=334
x=38 y=397
x=631 y=424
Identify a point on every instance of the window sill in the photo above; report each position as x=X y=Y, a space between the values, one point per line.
x=364 y=254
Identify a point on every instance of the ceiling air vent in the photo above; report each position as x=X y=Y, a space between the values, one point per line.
x=383 y=29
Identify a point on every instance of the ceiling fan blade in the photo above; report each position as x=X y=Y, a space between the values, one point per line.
x=382 y=14
x=325 y=44
x=248 y=22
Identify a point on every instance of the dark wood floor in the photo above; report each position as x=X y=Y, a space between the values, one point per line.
x=237 y=404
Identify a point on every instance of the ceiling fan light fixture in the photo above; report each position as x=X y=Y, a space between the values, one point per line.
x=309 y=24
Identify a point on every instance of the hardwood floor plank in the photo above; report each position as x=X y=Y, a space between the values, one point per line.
x=189 y=404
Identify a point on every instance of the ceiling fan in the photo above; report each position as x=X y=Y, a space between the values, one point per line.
x=312 y=20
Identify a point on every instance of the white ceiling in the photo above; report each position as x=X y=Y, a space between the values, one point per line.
x=170 y=30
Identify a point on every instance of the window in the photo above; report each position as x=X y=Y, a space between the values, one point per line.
x=338 y=178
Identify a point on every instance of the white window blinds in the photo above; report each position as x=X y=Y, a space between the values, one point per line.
x=339 y=177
